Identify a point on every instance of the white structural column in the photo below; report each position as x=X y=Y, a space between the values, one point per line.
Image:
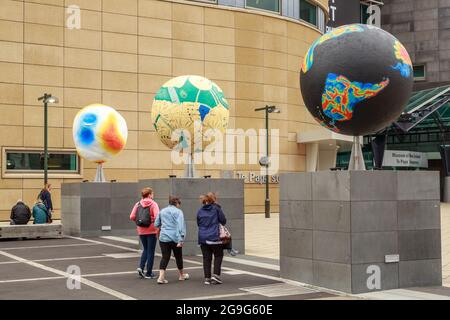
x=327 y=158
x=321 y=148
x=312 y=157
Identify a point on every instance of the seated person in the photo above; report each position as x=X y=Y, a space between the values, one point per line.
x=20 y=213
x=40 y=213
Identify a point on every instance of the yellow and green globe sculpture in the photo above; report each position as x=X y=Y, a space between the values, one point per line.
x=190 y=105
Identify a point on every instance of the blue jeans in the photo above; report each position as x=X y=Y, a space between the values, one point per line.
x=148 y=254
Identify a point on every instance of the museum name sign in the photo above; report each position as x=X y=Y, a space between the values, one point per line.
x=255 y=177
x=394 y=158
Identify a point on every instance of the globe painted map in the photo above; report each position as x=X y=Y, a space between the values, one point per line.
x=99 y=133
x=185 y=108
x=356 y=79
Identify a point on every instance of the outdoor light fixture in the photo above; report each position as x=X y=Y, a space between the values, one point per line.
x=273 y=109
x=265 y=161
x=46 y=99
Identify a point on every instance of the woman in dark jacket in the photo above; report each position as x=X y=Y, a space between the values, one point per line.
x=46 y=198
x=229 y=245
x=208 y=220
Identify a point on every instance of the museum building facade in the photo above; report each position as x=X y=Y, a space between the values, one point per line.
x=119 y=53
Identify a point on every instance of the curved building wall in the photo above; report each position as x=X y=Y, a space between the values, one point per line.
x=124 y=51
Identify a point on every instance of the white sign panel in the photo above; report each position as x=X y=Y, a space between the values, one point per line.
x=391 y=258
x=255 y=177
x=394 y=158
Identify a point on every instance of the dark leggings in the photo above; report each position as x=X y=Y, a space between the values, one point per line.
x=208 y=250
x=166 y=250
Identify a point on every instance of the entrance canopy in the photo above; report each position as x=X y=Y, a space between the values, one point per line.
x=322 y=146
x=426 y=109
x=425 y=123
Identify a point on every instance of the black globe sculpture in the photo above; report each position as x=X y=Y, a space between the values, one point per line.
x=356 y=79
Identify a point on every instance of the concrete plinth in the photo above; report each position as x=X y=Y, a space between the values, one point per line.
x=446 y=195
x=98 y=209
x=102 y=209
x=231 y=197
x=339 y=230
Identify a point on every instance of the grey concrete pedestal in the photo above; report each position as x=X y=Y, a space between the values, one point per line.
x=98 y=209
x=345 y=230
x=231 y=198
x=446 y=196
x=103 y=209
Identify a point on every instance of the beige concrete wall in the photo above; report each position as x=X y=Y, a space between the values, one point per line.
x=125 y=50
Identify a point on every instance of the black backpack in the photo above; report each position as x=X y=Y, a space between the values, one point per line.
x=143 y=217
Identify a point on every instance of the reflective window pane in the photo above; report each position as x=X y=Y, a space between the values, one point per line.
x=269 y=5
x=34 y=161
x=308 y=12
x=212 y=1
x=419 y=72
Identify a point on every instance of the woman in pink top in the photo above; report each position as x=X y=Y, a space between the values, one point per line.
x=147 y=234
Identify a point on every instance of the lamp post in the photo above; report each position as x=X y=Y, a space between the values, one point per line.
x=265 y=161
x=46 y=99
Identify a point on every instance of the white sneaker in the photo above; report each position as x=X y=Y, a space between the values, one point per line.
x=185 y=276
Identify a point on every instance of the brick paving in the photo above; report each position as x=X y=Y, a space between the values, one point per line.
x=262 y=236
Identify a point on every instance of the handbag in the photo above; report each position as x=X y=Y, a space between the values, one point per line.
x=224 y=234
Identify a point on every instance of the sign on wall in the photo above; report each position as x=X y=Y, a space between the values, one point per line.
x=256 y=177
x=343 y=12
x=410 y=159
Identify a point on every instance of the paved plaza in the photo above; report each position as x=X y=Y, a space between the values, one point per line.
x=39 y=269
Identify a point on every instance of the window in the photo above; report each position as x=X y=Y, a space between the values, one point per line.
x=208 y=1
x=419 y=73
x=308 y=12
x=321 y=20
x=343 y=159
x=267 y=5
x=31 y=162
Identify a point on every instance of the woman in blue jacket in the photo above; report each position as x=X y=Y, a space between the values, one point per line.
x=208 y=220
x=40 y=213
x=172 y=233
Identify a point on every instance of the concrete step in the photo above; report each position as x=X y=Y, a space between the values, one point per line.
x=53 y=230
